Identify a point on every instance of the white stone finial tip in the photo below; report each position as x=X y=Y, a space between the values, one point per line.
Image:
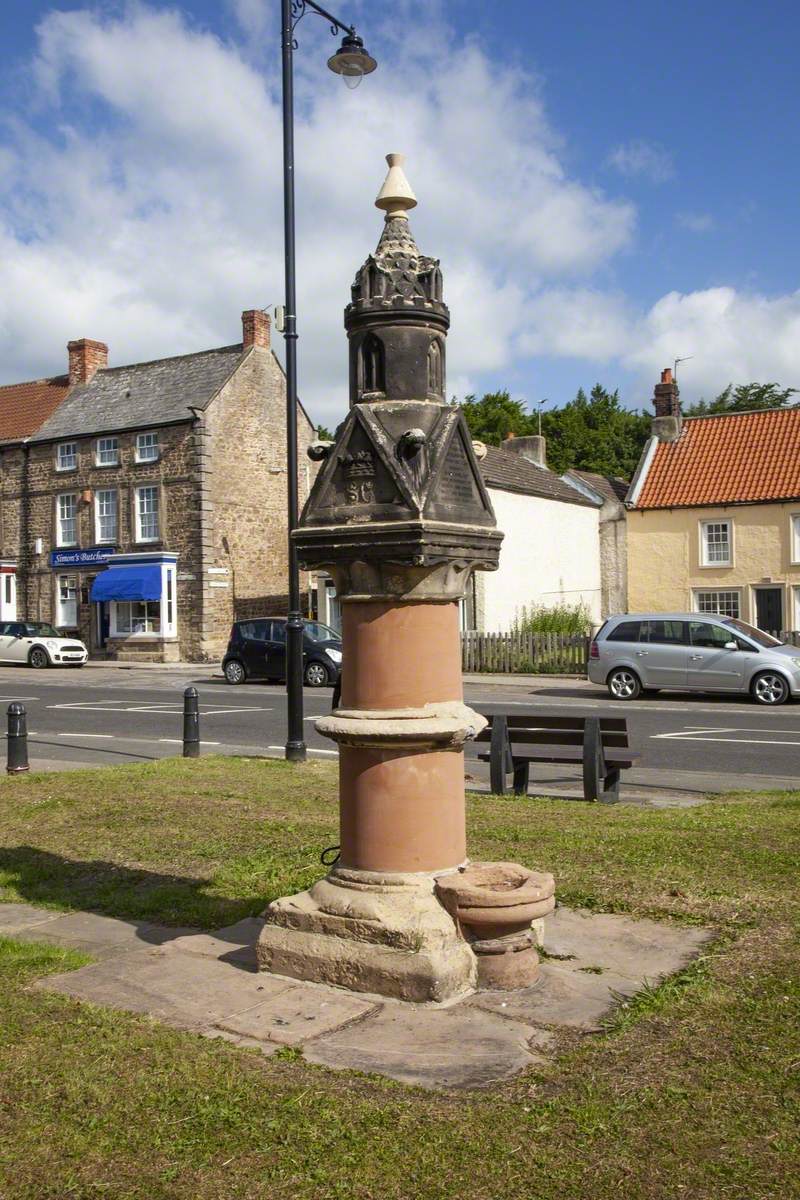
x=396 y=195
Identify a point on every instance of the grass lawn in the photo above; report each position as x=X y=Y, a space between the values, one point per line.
x=691 y=1092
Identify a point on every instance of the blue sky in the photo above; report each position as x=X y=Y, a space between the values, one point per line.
x=608 y=185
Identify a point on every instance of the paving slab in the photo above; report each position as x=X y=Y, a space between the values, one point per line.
x=456 y=1047
x=235 y=944
x=15 y=917
x=640 y=950
x=570 y=999
x=298 y=1014
x=81 y=929
x=180 y=989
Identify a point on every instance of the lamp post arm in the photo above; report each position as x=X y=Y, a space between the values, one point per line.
x=300 y=7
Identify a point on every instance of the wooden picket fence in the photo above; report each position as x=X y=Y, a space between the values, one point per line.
x=534 y=653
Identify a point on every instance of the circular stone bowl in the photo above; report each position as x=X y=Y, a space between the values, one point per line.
x=497 y=899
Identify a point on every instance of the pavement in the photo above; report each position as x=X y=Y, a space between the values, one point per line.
x=689 y=745
x=207 y=983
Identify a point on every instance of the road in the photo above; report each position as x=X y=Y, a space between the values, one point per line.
x=107 y=715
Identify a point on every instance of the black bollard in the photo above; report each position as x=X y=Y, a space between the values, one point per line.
x=17 y=740
x=191 y=724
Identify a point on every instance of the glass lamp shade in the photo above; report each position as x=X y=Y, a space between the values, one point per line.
x=352 y=61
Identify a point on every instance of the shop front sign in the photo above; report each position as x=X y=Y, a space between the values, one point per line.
x=96 y=556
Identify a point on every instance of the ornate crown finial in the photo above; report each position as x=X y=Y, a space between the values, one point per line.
x=396 y=195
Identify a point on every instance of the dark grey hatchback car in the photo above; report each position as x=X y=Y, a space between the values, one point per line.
x=257 y=650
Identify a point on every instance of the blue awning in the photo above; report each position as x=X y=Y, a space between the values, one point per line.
x=128 y=583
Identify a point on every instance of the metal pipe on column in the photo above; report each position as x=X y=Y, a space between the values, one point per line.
x=191 y=723
x=17 y=761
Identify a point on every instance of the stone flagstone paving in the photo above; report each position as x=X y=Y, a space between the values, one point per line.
x=207 y=983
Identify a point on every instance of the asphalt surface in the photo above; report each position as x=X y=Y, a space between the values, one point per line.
x=101 y=715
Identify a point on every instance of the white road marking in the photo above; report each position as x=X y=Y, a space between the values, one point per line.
x=86 y=735
x=16 y=699
x=311 y=750
x=173 y=741
x=735 y=741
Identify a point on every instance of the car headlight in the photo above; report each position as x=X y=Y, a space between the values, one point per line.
x=51 y=645
x=336 y=655
x=796 y=662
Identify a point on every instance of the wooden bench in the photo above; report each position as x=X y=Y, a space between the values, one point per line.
x=599 y=743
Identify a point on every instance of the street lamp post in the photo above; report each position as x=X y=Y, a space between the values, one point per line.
x=352 y=62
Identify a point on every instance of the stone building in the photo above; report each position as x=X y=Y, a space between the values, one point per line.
x=612 y=491
x=147 y=508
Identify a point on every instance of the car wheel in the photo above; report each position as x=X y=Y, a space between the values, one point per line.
x=769 y=687
x=316 y=674
x=235 y=672
x=38 y=658
x=624 y=684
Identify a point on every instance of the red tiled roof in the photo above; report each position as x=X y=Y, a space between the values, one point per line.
x=24 y=406
x=731 y=459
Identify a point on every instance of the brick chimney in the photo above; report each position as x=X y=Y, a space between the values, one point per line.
x=255 y=329
x=533 y=447
x=85 y=359
x=668 y=421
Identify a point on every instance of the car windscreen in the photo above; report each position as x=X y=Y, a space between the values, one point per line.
x=40 y=629
x=756 y=635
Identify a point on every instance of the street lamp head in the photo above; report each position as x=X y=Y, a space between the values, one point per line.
x=351 y=60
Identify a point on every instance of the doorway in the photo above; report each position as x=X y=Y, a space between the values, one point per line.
x=769 y=609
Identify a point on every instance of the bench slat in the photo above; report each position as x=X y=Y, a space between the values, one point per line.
x=560 y=737
x=520 y=720
x=569 y=754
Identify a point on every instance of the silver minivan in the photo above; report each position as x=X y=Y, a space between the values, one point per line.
x=641 y=653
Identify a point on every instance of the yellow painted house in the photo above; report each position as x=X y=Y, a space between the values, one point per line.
x=714 y=515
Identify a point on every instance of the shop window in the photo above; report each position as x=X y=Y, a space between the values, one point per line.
x=715 y=539
x=723 y=604
x=147 y=447
x=106 y=516
x=67 y=519
x=67 y=456
x=107 y=452
x=136 y=616
x=67 y=601
x=147 y=524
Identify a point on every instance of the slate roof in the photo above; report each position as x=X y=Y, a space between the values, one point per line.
x=734 y=458
x=510 y=472
x=24 y=406
x=610 y=486
x=142 y=394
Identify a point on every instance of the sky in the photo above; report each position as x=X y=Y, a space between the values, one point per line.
x=609 y=186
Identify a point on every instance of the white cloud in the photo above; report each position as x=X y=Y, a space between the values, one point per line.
x=696 y=222
x=731 y=336
x=645 y=159
x=150 y=214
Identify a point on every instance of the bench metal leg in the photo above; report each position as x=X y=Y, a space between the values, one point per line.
x=499 y=756
x=593 y=764
x=609 y=793
x=521 y=777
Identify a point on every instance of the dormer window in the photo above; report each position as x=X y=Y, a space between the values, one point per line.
x=107 y=454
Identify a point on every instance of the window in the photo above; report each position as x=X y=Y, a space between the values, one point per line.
x=723 y=604
x=716 y=543
x=147 y=529
x=796 y=538
x=67 y=456
x=137 y=616
x=666 y=633
x=147 y=447
x=107 y=452
x=278 y=632
x=67 y=601
x=626 y=631
x=713 y=636
x=170 y=600
x=106 y=515
x=67 y=510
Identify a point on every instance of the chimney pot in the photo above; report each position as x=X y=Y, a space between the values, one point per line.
x=666 y=375
x=86 y=358
x=255 y=328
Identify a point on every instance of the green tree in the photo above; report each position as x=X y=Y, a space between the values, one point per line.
x=747 y=397
x=595 y=433
x=324 y=434
x=494 y=416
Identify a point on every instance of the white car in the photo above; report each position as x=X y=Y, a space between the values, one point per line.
x=39 y=645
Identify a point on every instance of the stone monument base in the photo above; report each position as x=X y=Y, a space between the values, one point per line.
x=370 y=932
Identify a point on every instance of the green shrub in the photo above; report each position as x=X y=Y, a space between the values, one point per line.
x=561 y=618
